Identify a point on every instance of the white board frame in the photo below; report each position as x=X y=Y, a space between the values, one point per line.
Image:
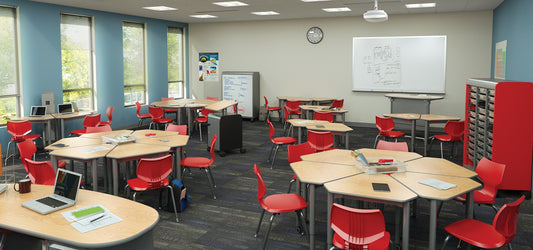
x=402 y=64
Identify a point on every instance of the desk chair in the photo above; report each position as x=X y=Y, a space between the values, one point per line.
x=277 y=142
x=109 y=114
x=157 y=113
x=337 y=103
x=152 y=174
x=182 y=130
x=358 y=228
x=454 y=133
x=19 y=131
x=294 y=108
x=40 y=172
x=483 y=235
x=88 y=121
x=386 y=126
x=320 y=140
x=271 y=109
x=323 y=116
x=394 y=146
x=203 y=163
x=168 y=111
x=105 y=128
x=202 y=119
x=27 y=150
x=140 y=116
x=213 y=98
x=295 y=153
x=277 y=204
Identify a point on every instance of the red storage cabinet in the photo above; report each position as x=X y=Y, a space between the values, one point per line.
x=499 y=126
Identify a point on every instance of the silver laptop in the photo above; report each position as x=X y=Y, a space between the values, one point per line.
x=38 y=111
x=65 y=108
x=65 y=194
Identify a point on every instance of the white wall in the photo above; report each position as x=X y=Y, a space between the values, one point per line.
x=291 y=66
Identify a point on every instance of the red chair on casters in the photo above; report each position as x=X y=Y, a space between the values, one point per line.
x=277 y=142
x=269 y=109
x=277 y=204
x=483 y=235
x=358 y=228
x=203 y=163
x=140 y=116
x=454 y=133
x=320 y=140
x=109 y=114
x=152 y=174
x=157 y=113
x=19 y=131
x=386 y=126
x=295 y=153
x=88 y=121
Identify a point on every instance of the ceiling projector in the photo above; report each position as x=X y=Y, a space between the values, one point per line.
x=375 y=15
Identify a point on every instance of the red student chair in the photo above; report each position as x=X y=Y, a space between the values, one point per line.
x=295 y=153
x=277 y=142
x=109 y=114
x=152 y=174
x=182 y=130
x=323 y=116
x=19 y=131
x=394 y=146
x=40 y=172
x=27 y=150
x=140 y=116
x=203 y=163
x=337 y=103
x=202 y=119
x=169 y=111
x=271 y=109
x=320 y=140
x=294 y=108
x=454 y=133
x=358 y=228
x=88 y=121
x=386 y=126
x=277 y=204
x=157 y=113
x=483 y=235
x=105 y=128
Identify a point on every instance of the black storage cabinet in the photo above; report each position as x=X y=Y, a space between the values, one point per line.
x=228 y=129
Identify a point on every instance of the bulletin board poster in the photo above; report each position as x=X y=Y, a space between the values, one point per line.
x=208 y=67
x=499 y=64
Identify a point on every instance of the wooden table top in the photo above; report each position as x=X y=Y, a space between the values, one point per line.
x=344 y=156
x=292 y=98
x=323 y=109
x=136 y=150
x=136 y=218
x=432 y=117
x=361 y=186
x=220 y=105
x=402 y=156
x=33 y=118
x=304 y=123
x=415 y=96
x=410 y=179
x=143 y=132
x=329 y=126
x=72 y=115
x=81 y=152
x=170 y=141
x=74 y=142
x=439 y=166
x=405 y=116
x=108 y=133
x=319 y=173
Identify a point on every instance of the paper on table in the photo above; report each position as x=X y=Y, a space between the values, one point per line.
x=437 y=184
x=91 y=223
x=94 y=149
x=69 y=215
x=303 y=121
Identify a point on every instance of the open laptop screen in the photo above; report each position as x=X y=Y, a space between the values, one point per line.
x=38 y=110
x=67 y=184
x=65 y=108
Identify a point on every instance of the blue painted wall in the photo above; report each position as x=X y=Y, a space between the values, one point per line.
x=40 y=48
x=513 y=22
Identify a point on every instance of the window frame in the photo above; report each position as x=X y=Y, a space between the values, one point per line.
x=145 y=66
x=18 y=84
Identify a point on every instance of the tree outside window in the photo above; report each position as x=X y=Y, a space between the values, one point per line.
x=175 y=62
x=9 y=81
x=133 y=40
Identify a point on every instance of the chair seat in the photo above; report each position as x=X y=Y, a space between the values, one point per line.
x=143 y=116
x=447 y=138
x=393 y=134
x=485 y=236
x=61 y=164
x=480 y=197
x=382 y=243
x=141 y=185
x=103 y=123
x=25 y=137
x=79 y=131
x=284 y=140
x=162 y=120
x=273 y=108
x=282 y=203
x=196 y=162
x=201 y=119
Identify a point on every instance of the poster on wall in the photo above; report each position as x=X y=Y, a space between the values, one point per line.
x=499 y=64
x=208 y=67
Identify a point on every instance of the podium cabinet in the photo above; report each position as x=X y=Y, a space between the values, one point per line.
x=498 y=126
x=228 y=129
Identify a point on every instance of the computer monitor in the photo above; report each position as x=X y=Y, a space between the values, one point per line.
x=38 y=111
x=65 y=108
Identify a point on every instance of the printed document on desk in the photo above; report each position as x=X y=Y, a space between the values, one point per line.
x=92 y=221
x=438 y=184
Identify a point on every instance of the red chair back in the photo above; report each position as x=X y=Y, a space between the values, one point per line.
x=205 y=112
x=181 y=129
x=261 y=188
x=109 y=113
x=266 y=102
x=40 y=172
x=506 y=220
x=394 y=146
x=236 y=108
x=491 y=173
x=155 y=112
x=320 y=140
x=138 y=109
x=338 y=103
x=384 y=124
x=18 y=129
x=286 y=113
x=272 y=130
x=323 y=116
x=297 y=150
x=357 y=227
x=27 y=149
x=154 y=170
x=105 y=128
x=91 y=120
x=212 y=149
x=455 y=129
x=213 y=98
x=293 y=105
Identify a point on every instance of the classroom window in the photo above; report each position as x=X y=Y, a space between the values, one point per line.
x=175 y=62
x=9 y=80
x=134 y=53
x=77 y=62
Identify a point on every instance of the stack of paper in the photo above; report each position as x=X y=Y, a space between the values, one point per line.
x=437 y=184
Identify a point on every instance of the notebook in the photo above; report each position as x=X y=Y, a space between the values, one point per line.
x=38 y=111
x=65 y=194
x=65 y=108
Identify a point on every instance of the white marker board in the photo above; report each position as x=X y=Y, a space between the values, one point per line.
x=409 y=64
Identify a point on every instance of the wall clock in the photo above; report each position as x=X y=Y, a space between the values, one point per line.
x=314 y=35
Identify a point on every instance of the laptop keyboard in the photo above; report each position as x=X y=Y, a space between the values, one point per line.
x=51 y=202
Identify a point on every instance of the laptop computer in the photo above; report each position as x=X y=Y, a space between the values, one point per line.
x=65 y=108
x=38 y=111
x=65 y=194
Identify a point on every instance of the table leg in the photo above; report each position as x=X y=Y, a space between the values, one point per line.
x=115 y=177
x=176 y=165
x=413 y=135
x=329 y=239
x=426 y=135
x=299 y=135
x=94 y=172
x=346 y=140
x=62 y=128
x=48 y=132
x=432 y=225
x=405 y=230
x=311 y=216
x=470 y=204
x=53 y=161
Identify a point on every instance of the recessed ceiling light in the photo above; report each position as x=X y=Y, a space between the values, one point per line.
x=230 y=4
x=159 y=8
x=310 y=1
x=343 y=9
x=420 y=5
x=203 y=16
x=265 y=13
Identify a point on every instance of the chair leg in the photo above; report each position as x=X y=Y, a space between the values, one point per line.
x=200 y=129
x=211 y=182
x=274 y=158
x=271 y=150
x=441 y=152
x=301 y=219
x=268 y=231
x=290 y=185
x=267 y=116
x=279 y=116
x=173 y=202
x=376 y=141
x=445 y=241
x=259 y=225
